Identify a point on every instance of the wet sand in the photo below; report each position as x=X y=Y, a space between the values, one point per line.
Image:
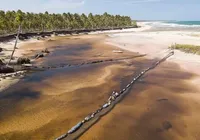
x=46 y=104
x=163 y=96
x=165 y=104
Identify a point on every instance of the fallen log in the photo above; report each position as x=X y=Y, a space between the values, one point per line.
x=39 y=55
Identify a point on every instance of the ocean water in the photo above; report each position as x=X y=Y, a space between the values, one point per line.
x=175 y=25
x=186 y=23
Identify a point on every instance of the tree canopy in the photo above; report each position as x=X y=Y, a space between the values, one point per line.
x=10 y=20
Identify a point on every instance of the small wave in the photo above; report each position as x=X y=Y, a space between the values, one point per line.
x=171 y=25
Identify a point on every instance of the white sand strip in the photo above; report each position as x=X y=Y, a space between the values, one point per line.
x=155 y=45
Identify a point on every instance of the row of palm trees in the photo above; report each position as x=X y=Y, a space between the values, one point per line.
x=10 y=20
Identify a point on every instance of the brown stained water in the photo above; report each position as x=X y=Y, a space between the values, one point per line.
x=142 y=115
x=46 y=104
x=67 y=54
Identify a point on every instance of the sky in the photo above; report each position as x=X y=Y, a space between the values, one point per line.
x=136 y=9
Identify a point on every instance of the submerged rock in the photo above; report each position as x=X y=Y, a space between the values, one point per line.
x=167 y=125
x=46 y=51
x=1 y=49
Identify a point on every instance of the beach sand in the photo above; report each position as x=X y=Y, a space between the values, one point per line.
x=5 y=56
x=162 y=105
x=165 y=94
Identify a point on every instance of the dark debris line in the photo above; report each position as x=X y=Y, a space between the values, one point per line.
x=83 y=63
x=18 y=73
x=112 y=98
x=38 y=68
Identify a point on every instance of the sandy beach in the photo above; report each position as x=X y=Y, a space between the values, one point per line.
x=45 y=104
x=155 y=45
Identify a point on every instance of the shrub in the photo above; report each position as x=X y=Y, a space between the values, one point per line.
x=186 y=48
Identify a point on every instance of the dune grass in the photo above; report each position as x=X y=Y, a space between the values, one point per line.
x=186 y=48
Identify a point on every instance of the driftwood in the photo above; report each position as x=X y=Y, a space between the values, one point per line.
x=39 y=55
x=17 y=37
x=42 y=53
x=39 y=38
x=27 y=65
x=13 y=74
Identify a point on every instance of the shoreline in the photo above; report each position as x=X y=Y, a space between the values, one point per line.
x=155 y=45
x=7 y=47
x=24 y=36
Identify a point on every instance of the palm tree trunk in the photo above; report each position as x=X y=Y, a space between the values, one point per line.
x=17 y=37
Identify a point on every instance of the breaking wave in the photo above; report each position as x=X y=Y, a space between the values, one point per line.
x=175 y=24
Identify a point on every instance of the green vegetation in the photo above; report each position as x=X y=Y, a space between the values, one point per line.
x=187 y=48
x=10 y=21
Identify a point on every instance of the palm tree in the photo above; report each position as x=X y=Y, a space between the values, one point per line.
x=10 y=21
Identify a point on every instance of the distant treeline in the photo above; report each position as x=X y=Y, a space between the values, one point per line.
x=30 y=22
